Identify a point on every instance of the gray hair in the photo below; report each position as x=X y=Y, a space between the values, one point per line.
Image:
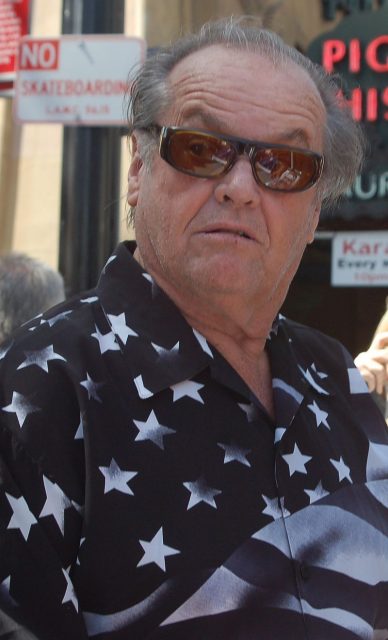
x=344 y=141
x=27 y=287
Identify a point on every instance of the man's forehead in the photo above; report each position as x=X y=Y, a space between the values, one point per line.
x=218 y=63
x=213 y=58
x=218 y=83
x=217 y=58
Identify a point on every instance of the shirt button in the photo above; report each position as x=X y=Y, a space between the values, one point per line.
x=305 y=572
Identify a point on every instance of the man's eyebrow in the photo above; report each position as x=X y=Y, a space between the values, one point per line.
x=213 y=123
x=295 y=135
x=206 y=120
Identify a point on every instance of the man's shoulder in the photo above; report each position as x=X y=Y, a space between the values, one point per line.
x=60 y=324
x=326 y=362
x=316 y=343
x=309 y=333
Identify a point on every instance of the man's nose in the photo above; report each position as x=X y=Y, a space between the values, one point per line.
x=238 y=186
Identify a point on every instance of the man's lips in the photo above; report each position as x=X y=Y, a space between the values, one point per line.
x=234 y=230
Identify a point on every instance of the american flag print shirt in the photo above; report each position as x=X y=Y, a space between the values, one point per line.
x=147 y=495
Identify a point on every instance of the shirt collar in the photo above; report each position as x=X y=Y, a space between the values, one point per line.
x=295 y=374
x=159 y=347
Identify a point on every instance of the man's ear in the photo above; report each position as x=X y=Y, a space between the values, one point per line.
x=134 y=174
x=314 y=221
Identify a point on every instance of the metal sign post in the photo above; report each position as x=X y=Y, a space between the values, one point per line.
x=91 y=167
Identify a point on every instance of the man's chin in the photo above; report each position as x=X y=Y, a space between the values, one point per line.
x=224 y=279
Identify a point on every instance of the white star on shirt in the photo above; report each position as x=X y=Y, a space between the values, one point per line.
x=203 y=343
x=82 y=540
x=279 y=433
x=80 y=431
x=235 y=453
x=37 y=325
x=156 y=551
x=152 y=430
x=4 y=350
x=141 y=388
x=116 y=478
x=249 y=410
x=21 y=406
x=56 y=503
x=272 y=508
x=187 y=388
x=89 y=300
x=40 y=358
x=120 y=327
x=296 y=461
x=320 y=374
x=312 y=382
x=5 y=587
x=148 y=277
x=70 y=592
x=162 y=352
x=60 y=316
x=201 y=492
x=320 y=415
x=110 y=259
x=92 y=387
x=106 y=341
x=22 y=518
x=317 y=493
x=342 y=468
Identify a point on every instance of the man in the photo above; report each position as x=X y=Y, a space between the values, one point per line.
x=179 y=460
x=27 y=287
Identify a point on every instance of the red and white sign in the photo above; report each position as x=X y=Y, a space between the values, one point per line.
x=75 y=80
x=360 y=259
x=14 y=23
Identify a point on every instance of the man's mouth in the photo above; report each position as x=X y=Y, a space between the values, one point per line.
x=233 y=232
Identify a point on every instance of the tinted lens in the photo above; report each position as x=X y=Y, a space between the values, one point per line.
x=208 y=155
x=199 y=154
x=285 y=169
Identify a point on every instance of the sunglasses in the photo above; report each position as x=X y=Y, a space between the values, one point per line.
x=204 y=154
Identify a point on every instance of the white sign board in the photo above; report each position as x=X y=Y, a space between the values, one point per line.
x=75 y=80
x=360 y=259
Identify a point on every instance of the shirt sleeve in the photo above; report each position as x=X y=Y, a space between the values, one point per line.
x=39 y=539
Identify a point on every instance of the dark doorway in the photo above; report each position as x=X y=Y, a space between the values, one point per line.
x=349 y=314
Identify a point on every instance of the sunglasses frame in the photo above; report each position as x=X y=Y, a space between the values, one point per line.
x=241 y=146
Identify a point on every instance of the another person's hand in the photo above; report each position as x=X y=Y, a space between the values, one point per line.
x=373 y=363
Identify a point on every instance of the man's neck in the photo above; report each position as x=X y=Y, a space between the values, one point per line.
x=238 y=328
x=246 y=354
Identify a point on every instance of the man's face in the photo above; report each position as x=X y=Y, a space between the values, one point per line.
x=187 y=228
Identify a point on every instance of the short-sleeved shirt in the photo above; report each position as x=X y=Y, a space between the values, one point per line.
x=147 y=494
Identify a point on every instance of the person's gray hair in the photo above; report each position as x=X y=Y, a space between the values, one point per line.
x=28 y=287
x=150 y=95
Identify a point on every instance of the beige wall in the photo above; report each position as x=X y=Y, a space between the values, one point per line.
x=31 y=157
x=298 y=21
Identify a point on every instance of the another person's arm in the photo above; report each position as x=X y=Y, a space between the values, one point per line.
x=373 y=363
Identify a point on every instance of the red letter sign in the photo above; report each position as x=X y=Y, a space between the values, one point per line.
x=39 y=55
